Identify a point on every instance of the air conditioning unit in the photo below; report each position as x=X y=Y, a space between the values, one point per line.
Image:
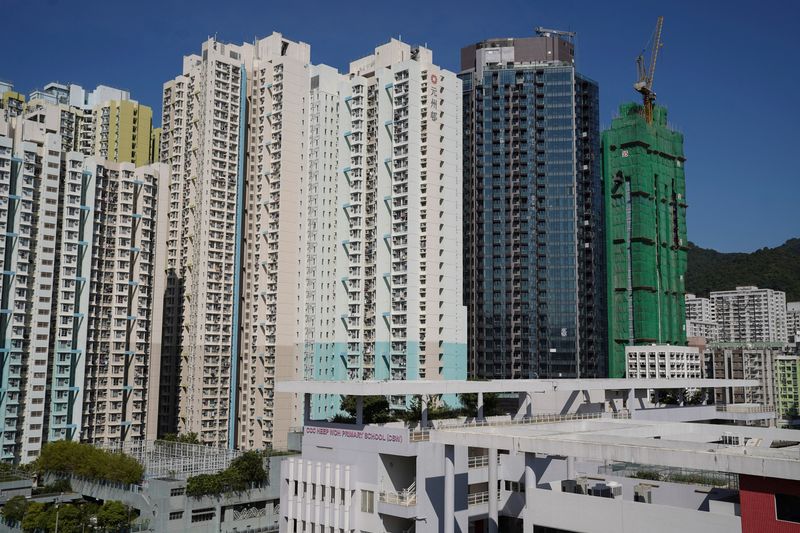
x=643 y=493
x=610 y=489
x=575 y=486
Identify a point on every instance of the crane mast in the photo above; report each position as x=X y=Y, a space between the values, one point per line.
x=645 y=74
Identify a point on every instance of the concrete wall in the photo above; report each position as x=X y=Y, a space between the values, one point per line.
x=578 y=512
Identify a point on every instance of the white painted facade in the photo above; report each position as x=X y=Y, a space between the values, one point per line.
x=750 y=314
x=793 y=321
x=393 y=478
x=663 y=362
x=200 y=144
x=396 y=222
x=701 y=319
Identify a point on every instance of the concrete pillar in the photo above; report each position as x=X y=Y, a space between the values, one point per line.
x=306 y=408
x=449 y=489
x=359 y=410
x=424 y=411
x=479 y=415
x=570 y=467
x=493 y=516
x=630 y=403
x=525 y=405
x=530 y=486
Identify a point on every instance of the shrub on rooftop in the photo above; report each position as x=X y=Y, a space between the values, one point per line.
x=68 y=458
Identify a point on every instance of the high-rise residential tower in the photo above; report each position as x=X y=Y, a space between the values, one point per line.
x=389 y=222
x=234 y=133
x=534 y=280
x=793 y=322
x=700 y=318
x=77 y=270
x=750 y=314
x=103 y=123
x=313 y=231
x=645 y=206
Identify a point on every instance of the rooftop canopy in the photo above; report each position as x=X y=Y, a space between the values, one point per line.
x=433 y=387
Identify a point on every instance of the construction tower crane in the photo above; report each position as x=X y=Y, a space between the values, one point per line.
x=644 y=84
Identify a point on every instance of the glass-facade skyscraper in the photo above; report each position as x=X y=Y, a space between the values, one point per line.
x=533 y=232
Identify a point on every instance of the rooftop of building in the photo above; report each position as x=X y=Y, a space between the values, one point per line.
x=433 y=387
x=546 y=47
x=736 y=449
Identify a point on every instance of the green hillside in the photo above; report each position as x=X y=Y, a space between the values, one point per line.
x=772 y=268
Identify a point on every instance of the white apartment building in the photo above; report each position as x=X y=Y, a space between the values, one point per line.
x=314 y=231
x=202 y=144
x=77 y=270
x=793 y=320
x=698 y=308
x=700 y=318
x=398 y=296
x=104 y=123
x=708 y=330
x=663 y=362
x=750 y=314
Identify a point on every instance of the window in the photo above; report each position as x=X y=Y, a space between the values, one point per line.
x=177 y=515
x=203 y=515
x=177 y=491
x=787 y=507
x=367 y=501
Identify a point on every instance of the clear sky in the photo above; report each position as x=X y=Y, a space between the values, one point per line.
x=728 y=71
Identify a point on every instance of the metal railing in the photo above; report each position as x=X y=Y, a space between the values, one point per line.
x=670 y=474
x=744 y=408
x=479 y=461
x=406 y=497
x=422 y=435
x=477 y=498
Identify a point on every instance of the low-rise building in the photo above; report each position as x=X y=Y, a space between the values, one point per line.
x=161 y=500
x=663 y=362
x=744 y=361
x=595 y=445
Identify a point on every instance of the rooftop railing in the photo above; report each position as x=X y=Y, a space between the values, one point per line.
x=421 y=435
x=744 y=408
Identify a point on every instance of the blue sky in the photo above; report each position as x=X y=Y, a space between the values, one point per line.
x=728 y=71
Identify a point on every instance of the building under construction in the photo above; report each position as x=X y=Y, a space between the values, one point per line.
x=645 y=203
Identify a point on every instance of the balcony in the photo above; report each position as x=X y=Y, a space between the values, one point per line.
x=405 y=498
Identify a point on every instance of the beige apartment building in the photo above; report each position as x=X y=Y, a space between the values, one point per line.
x=313 y=230
x=233 y=137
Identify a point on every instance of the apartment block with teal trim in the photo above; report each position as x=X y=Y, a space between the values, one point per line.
x=77 y=252
x=396 y=309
